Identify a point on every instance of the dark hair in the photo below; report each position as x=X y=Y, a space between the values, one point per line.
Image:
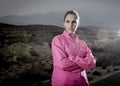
x=72 y=12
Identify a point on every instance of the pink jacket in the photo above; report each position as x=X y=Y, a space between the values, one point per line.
x=71 y=57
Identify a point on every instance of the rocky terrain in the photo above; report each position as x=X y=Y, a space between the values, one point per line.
x=25 y=53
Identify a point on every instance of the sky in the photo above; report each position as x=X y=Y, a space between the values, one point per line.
x=92 y=12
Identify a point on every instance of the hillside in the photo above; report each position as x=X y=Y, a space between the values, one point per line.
x=25 y=52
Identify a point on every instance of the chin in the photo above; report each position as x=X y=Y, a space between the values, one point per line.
x=72 y=32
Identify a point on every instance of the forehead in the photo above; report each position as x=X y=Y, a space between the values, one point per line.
x=71 y=16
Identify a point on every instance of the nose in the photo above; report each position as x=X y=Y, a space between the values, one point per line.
x=71 y=24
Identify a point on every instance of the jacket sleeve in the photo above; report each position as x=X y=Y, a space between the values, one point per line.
x=60 y=58
x=88 y=62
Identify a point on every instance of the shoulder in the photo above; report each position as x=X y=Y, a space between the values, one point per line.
x=57 y=41
x=57 y=38
x=83 y=42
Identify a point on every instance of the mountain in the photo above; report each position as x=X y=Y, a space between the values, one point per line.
x=56 y=18
x=51 y=18
x=3 y=25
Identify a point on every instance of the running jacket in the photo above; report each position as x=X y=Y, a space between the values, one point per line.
x=71 y=57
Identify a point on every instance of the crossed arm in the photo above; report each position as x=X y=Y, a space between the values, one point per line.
x=70 y=62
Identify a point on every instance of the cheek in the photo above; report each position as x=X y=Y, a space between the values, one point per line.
x=65 y=25
x=75 y=25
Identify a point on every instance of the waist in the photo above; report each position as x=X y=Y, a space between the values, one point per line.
x=56 y=68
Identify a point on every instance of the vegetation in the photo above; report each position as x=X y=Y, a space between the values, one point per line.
x=25 y=53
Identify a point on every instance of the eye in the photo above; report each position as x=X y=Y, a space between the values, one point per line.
x=67 y=21
x=74 y=22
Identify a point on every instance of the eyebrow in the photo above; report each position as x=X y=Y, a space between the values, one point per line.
x=72 y=21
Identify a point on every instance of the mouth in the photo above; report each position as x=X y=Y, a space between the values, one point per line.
x=71 y=28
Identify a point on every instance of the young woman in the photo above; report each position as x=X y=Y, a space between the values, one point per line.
x=71 y=56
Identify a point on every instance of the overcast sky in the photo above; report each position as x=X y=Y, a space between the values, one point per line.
x=92 y=12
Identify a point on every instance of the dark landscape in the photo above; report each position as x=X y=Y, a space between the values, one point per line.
x=25 y=54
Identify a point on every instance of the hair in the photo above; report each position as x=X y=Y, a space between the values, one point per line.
x=72 y=12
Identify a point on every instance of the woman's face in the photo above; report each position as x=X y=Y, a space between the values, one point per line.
x=71 y=23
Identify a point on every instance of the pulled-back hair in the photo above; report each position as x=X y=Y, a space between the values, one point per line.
x=72 y=12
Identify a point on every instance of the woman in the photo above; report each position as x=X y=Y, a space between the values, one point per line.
x=71 y=56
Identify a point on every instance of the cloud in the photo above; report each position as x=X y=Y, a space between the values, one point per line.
x=92 y=12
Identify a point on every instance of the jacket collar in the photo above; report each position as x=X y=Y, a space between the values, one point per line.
x=70 y=35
